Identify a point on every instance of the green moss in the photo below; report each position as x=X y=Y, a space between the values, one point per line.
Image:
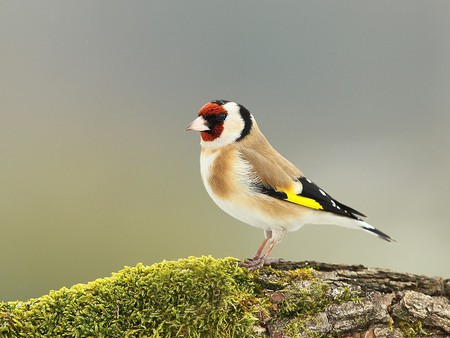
x=297 y=325
x=299 y=296
x=412 y=329
x=195 y=297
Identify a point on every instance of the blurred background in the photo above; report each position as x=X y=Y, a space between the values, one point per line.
x=97 y=173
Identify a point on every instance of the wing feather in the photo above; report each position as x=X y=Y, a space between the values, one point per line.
x=272 y=180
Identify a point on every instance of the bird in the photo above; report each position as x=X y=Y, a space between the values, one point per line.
x=251 y=181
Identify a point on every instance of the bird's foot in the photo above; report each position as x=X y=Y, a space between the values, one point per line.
x=258 y=262
x=270 y=261
x=252 y=263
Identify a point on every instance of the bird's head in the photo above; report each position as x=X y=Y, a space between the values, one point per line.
x=222 y=122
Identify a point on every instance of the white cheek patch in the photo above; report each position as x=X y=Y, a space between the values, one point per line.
x=233 y=124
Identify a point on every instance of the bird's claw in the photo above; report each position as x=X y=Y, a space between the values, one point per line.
x=258 y=262
x=270 y=261
x=252 y=263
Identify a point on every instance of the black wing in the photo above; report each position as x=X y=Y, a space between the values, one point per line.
x=312 y=190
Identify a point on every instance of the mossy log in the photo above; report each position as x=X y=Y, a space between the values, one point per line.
x=207 y=297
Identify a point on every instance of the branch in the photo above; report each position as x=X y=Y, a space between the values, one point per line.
x=207 y=297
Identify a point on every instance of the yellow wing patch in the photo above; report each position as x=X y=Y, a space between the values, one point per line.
x=297 y=199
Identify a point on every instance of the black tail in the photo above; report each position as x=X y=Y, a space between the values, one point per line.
x=379 y=233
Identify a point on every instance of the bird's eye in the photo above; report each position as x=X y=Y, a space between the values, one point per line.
x=221 y=117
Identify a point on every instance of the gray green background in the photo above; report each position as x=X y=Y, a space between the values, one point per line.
x=96 y=171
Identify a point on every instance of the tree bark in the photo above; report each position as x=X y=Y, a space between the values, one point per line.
x=391 y=304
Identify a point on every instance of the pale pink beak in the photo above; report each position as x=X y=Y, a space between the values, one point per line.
x=199 y=124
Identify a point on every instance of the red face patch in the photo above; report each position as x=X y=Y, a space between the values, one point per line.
x=209 y=111
x=212 y=134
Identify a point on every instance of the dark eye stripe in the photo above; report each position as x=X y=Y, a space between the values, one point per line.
x=213 y=119
x=221 y=117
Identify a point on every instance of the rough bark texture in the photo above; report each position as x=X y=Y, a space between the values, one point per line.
x=391 y=304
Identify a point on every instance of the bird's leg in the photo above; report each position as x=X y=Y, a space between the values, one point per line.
x=273 y=237
x=265 y=258
x=268 y=236
x=259 y=260
x=269 y=249
x=256 y=262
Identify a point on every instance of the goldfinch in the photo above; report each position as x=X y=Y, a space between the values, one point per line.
x=248 y=179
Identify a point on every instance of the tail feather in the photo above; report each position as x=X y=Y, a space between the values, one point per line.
x=321 y=217
x=376 y=232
